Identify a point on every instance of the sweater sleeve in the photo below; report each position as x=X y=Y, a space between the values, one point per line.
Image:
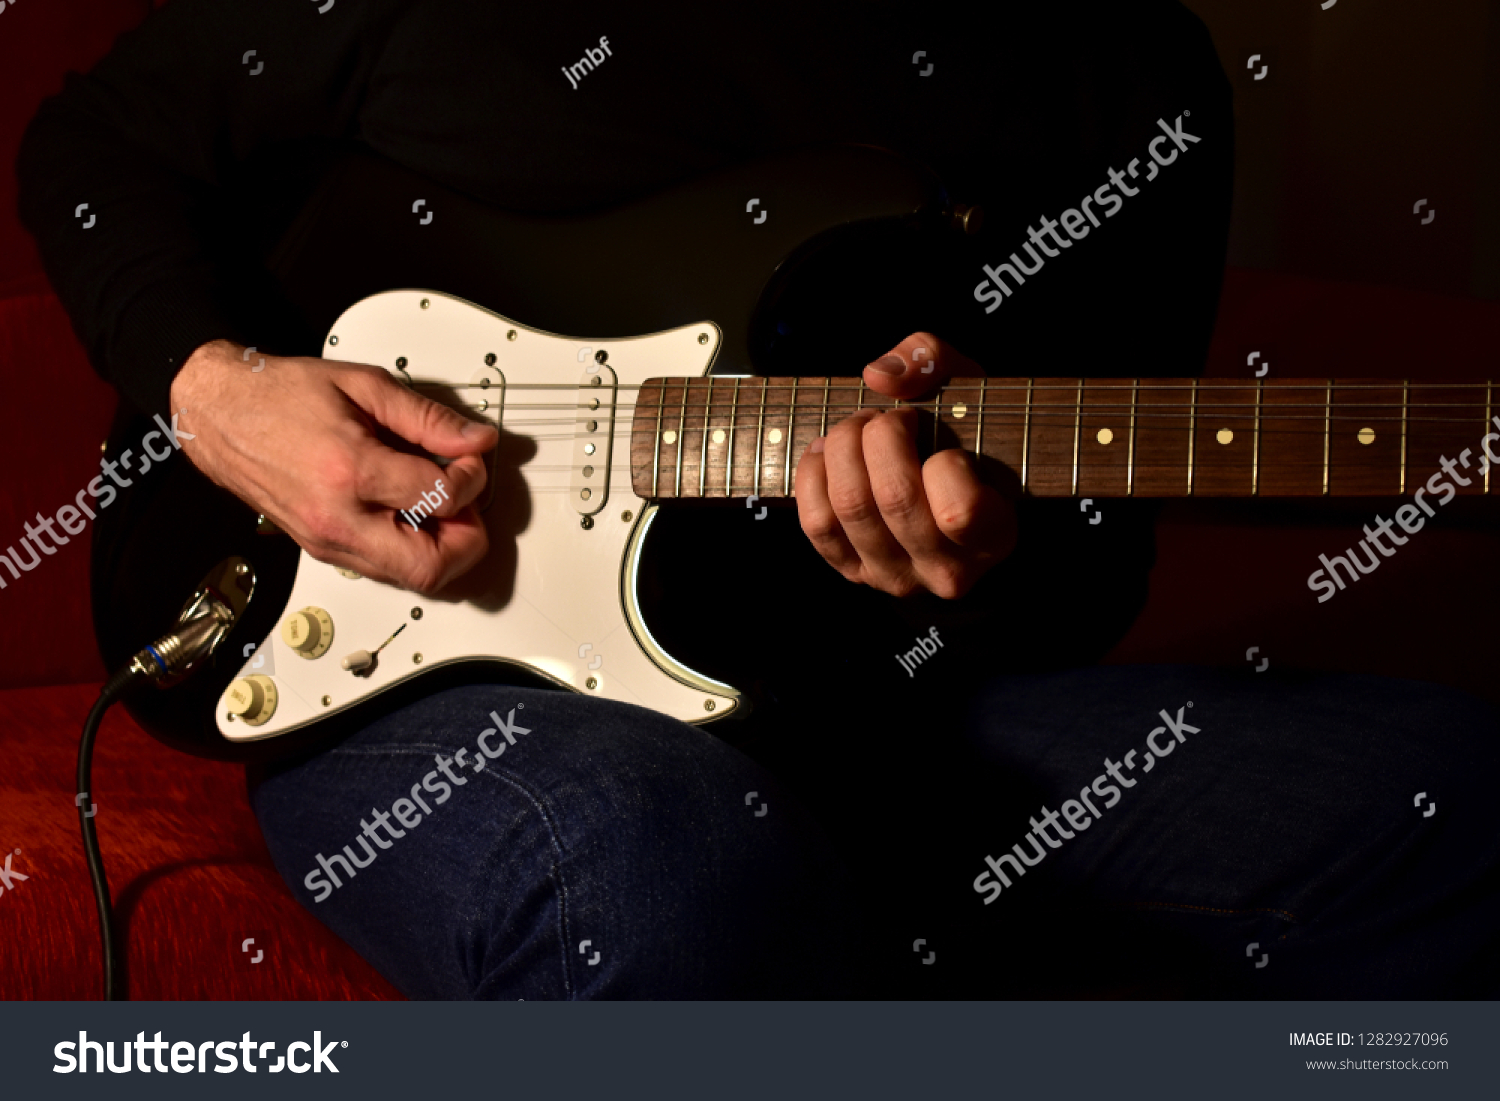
x=120 y=171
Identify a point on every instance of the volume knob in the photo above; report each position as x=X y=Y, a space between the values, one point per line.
x=308 y=633
x=252 y=698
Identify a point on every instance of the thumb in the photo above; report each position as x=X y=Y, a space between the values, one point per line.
x=422 y=421
x=918 y=365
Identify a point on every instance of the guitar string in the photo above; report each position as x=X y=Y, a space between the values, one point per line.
x=957 y=381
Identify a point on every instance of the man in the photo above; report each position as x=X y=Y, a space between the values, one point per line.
x=617 y=853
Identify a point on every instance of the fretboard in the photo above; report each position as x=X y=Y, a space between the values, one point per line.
x=734 y=437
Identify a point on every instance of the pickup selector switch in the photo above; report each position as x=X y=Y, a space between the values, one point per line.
x=308 y=633
x=252 y=698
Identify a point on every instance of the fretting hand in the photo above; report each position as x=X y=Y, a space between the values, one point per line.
x=883 y=518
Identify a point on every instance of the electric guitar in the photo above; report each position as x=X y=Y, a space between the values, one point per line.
x=599 y=433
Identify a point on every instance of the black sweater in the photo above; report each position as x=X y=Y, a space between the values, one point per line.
x=193 y=153
x=189 y=162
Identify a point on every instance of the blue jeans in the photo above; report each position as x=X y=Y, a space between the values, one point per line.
x=607 y=851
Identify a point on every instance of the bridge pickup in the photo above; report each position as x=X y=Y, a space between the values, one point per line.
x=593 y=438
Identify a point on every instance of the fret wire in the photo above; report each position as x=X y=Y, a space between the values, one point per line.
x=1192 y=432
x=859 y=407
x=979 y=428
x=1260 y=387
x=1130 y=457
x=1327 y=432
x=760 y=436
x=733 y=417
x=1077 y=434
x=1404 y=383
x=791 y=419
x=1486 y=430
x=1026 y=435
x=708 y=413
x=681 y=439
x=823 y=430
x=656 y=449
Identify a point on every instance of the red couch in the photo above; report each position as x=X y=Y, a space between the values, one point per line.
x=190 y=874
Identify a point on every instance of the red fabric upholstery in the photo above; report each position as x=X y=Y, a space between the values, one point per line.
x=189 y=873
x=1314 y=328
x=56 y=414
x=39 y=44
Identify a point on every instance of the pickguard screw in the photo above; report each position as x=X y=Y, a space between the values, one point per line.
x=702 y=338
x=416 y=613
x=333 y=340
x=627 y=516
x=510 y=335
x=708 y=705
x=586 y=522
x=401 y=362
x=416 y=659
x=489 y=359
x=592 y=682
x=426 y=303
x=327 y=700
x=600 y=356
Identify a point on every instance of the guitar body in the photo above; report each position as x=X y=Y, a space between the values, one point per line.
x=676 y=284
x=557 y=594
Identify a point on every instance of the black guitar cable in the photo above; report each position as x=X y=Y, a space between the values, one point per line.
x=114 y=689
x=202 y=625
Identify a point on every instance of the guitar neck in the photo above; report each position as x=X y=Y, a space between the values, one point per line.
x=1061 y=437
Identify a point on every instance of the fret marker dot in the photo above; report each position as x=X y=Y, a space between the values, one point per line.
x=959 y=410
x=669 y=436
x=1367 y=435
x=718 y=435
x=1105 y=435
x=774 y=435
x=1225 y=436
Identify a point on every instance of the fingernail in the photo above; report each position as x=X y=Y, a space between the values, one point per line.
x=816 y=447
x=473 y=430
x=894 y=366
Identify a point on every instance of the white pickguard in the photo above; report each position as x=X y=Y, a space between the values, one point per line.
x=573 y=587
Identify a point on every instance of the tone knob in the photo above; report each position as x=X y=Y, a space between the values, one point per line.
x=308 y=633
x=252 y=698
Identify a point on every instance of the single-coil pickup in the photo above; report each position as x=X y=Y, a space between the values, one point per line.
x=484 y=400
x=593 y=436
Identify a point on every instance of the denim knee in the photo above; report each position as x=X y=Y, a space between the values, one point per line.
x=572 y=848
